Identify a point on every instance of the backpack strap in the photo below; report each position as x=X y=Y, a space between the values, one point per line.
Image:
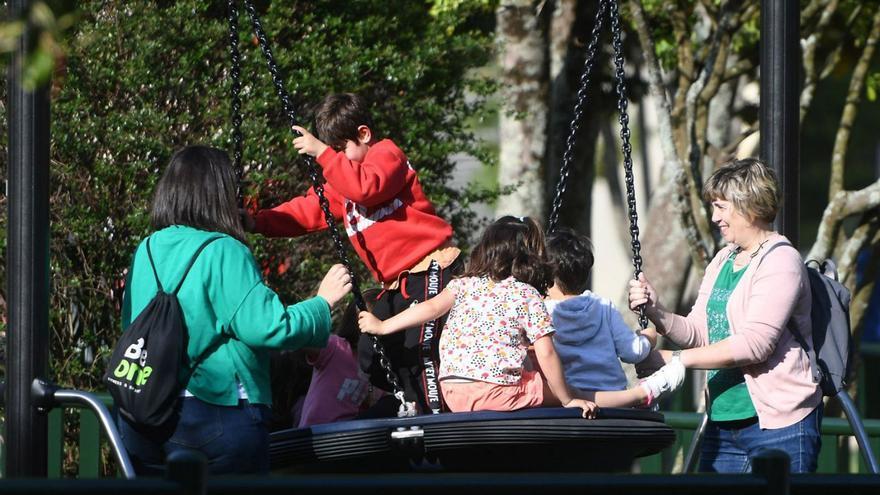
x=153 y=266
x=770 y=250
x=185 y=272
x=810 y=351
x=190 y=265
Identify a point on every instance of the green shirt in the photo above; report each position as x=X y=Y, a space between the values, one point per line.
x=728 y=394
x=232 y=317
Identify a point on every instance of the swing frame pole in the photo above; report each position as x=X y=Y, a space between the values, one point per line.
x=780 y=106
x=27 y=264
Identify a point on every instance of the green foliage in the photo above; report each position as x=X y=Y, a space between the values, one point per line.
x=460 y=8
x=663 y=16
x=872 y=86
x=46 y=24
x=144 y=77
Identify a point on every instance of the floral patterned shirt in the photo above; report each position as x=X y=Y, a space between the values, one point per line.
x=489 y=329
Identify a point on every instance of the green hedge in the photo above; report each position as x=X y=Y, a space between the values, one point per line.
x=141 y=78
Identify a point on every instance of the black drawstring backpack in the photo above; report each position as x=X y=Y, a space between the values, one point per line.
x=144 y=373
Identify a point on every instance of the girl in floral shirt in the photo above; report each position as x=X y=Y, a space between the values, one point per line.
x=495 y=313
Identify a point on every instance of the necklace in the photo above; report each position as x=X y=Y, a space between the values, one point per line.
x=756 y=251
x=752 y=254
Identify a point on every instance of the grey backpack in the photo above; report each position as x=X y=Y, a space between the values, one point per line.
x=831 y=356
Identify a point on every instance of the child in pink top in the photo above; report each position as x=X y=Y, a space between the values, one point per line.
x=495 y=313
x=339 y=390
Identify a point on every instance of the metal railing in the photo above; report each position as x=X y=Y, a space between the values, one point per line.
x=835 y=457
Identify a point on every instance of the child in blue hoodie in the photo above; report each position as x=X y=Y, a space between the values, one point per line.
x=590 y=333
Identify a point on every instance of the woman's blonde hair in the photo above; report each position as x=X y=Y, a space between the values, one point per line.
x=749 y=184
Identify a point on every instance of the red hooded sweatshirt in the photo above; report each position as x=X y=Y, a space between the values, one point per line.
x=388 y=218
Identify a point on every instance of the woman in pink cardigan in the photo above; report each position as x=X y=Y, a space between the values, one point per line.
x=754 y=294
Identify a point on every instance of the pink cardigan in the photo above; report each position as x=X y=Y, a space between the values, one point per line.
x=772 y=293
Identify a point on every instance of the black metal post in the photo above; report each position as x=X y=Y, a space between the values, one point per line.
x=27 y=266
x=780 y=109
x=774 y=466
x=188 y=468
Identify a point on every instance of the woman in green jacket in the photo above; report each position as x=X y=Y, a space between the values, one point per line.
x=232 y=317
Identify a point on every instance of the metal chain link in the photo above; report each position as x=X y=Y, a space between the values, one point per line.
x=406 y=408
x=619 y=75
x=235 y=72
x=568 y=156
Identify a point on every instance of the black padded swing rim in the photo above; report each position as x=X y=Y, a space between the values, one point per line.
x=434 y=419
x=639 y=431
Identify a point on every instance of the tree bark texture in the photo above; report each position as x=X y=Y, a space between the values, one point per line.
x=850 y=108
x=571 y=30
x=522 y=36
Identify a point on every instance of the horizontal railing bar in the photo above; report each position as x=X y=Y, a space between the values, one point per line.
x=830 y=426
x=37 y=486
x=443 y=484
x=486 y=483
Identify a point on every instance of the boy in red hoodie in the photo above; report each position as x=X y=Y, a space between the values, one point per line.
x=392 y=225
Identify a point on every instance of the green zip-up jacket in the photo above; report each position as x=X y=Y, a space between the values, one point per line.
x=233 y=318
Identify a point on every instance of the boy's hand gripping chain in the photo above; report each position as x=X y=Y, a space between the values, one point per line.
x=406 y=408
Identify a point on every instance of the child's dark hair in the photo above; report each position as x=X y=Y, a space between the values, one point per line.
x=571 y=256
x=348 y=326
x=512 y=246
x=338 y=117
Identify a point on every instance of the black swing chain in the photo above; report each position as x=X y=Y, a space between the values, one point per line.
x=624 y=133
x=568 y=156
x=318 y=186
x=235 y=72
x=627 y=149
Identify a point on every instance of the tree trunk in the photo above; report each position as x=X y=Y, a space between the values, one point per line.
x=850 y=109
x=522 y=36
x=666 y=258
x=570 y=32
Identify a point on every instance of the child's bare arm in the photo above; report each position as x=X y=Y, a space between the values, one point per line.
x=551 y=367
x=416 y=315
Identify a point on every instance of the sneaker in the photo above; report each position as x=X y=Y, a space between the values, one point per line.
x=664 y=381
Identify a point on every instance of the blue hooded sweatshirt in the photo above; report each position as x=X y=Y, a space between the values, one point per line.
x=590 y=337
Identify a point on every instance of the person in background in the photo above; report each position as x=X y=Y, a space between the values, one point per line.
x=339 y=390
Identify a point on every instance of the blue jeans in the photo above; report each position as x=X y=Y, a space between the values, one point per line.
x=729 y=446
x=235 y=439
